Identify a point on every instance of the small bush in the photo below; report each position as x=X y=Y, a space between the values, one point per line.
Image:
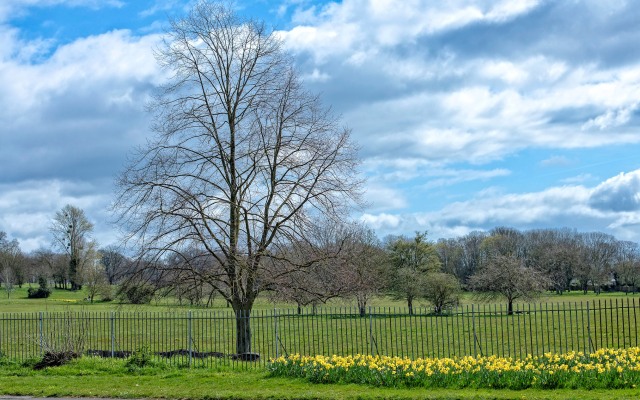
x=55 y=359
x=139 y=359
x=42 y=292
x=136 y=294
x=39 y=293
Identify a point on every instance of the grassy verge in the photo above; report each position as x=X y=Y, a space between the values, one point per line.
x=91 y=377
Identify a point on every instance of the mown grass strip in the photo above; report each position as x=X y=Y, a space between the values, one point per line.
x=92 y=377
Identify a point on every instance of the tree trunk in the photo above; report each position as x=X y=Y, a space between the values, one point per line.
x=243 y=331
x=510 y=308
x=410 y=305
x=362 y=305
x=363 y=311
x=73 y=271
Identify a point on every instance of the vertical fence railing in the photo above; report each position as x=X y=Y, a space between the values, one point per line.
x=209 y=337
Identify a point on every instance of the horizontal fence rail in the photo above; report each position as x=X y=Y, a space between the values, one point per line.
x=209 y=337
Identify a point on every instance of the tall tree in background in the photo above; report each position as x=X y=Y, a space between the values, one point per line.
x=71 y=230
x=450 y=254
x=52 y=265
x=627 y=266
x=243 y=162
x=94 y=276
x=361 y=265
x=11 y=263
x=471 y=258
x=410 y=261
x=115 y=264
x=554 y=252
x=506 y=276
x=598 y=254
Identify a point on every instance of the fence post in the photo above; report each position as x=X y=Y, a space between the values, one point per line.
x=189 y=336
x=113 y=334
x=41 y=333
x=589 y=329
x=473 y=324
x=275 y=330
x=371 y=329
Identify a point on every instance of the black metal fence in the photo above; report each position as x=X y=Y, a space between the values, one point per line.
x=208 y=337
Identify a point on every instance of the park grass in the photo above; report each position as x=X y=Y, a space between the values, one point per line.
x=92 y=377
x=65 y=300
x=605 y=321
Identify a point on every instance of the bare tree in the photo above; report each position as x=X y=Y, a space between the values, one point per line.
x=53 y=265
x=506 y=276
x=71 y=229
x=6 y=273
x=450 y=254
x=94 y=275
x=597 y=258
x=242 y=161
x=310 y=286
x=554 y=252
x=627 y=267
x=11 y=263
x=471 y=258
x=360 y=265
x=115 y=263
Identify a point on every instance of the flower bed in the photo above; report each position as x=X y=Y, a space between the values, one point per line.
x=605 y=368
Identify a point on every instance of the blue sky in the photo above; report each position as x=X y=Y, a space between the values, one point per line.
x=470 y=114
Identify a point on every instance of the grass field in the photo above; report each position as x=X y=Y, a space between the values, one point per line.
x=65 y=300
x=470 y=330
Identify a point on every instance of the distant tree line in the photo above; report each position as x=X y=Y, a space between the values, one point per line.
x=349 y=262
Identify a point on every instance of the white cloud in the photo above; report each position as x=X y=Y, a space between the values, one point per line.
x=93 y=63
x=612 y=118
x=316 y=76
x=358 y=25
x=382 y=198
x=382 y=221
x=619 y=193
x=612 y=206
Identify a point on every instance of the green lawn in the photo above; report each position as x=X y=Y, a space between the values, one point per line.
x=64 y=300
x=579 y=322
x=90 y=377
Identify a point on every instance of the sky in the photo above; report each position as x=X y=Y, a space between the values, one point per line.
x=469 y=114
